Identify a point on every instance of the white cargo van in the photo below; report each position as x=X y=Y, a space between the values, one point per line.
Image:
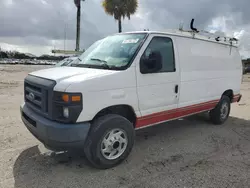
x=126 y=82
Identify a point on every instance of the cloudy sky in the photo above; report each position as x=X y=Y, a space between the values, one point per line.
x=38 y=26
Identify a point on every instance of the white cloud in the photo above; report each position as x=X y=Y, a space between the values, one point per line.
x=44 y=2
x=8 y=2
x=239 y=34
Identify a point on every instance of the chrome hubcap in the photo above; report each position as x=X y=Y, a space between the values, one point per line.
x=114 y=144
x=224 y=110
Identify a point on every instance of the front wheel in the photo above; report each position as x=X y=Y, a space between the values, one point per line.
x=221 y=112
x=110 y=141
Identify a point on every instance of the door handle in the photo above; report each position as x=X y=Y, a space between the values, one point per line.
x=176 y=89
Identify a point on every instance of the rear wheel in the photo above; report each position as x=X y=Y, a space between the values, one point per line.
x=110 y=141
x=221 y=112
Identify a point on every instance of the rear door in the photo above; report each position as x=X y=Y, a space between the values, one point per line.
x=158 y=92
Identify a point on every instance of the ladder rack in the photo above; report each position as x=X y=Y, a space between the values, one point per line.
x=212 y=36
x=209 y=35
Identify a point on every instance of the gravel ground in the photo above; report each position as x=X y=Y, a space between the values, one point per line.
x=185 y=153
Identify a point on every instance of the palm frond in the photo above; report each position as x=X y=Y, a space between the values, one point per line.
x=108 y=6
x=120 y=8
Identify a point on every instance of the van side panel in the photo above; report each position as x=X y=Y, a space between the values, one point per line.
x=207 y=70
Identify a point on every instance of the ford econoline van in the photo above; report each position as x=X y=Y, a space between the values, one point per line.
x=129 y=81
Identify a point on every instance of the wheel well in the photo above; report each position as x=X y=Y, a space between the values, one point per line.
x=122 y=110
x=229 y=93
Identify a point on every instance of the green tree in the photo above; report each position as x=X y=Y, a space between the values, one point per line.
x=120 y=9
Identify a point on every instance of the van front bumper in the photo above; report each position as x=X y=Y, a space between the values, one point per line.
x=55 y=136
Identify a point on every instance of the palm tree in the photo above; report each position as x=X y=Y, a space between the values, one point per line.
x=120 y=9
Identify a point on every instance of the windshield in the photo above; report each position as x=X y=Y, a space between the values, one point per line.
x=112 y=52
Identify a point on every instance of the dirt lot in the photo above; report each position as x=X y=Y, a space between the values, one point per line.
x=183 y=153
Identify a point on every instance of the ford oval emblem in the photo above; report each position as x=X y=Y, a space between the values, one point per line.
x=31 y=96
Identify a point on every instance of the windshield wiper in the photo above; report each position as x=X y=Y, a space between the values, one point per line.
x=100 y=60
x=103 y=66
x=80 y=65
x=104 y=63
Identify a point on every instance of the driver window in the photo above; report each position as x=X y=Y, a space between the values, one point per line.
x=164 y=46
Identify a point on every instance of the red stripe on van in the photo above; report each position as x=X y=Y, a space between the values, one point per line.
x=174 y=114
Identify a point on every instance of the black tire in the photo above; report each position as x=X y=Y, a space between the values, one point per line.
x=100 y=127
x=216 y=115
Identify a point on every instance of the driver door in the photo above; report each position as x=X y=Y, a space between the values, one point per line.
x=158 y=92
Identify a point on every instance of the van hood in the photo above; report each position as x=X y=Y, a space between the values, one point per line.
x=60 y=73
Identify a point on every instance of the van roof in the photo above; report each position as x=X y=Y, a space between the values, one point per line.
x=188 y=34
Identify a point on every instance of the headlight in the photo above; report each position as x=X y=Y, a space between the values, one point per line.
x=66 y=106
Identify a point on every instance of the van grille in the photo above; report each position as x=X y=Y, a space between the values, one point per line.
x=38 y=94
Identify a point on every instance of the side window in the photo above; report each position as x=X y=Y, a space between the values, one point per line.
x=164 y=47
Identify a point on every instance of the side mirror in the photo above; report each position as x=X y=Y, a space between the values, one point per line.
x=152 y=63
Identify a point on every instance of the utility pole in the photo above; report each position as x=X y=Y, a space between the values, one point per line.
x=78 y=23
x=65 y=35
x=78 y=30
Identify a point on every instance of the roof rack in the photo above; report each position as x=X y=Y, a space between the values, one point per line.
x=208 y=34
